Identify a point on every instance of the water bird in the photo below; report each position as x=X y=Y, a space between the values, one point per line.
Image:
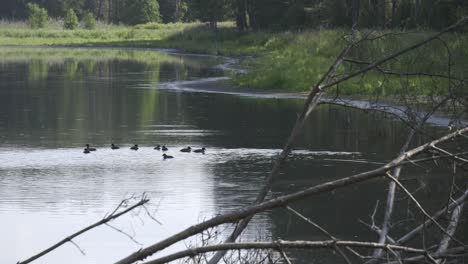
x=90 y=149
x=202 y=150
x=158 y=147
x=167 y=156
x=135 y=147
x=187 y=149
x=86 y=151
x=114 y=146
x=164 y=148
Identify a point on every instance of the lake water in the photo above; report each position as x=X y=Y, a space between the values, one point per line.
x=54 y=101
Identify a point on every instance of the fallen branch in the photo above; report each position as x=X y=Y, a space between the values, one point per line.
x=313 y=99
x=282 y=201
x=452 y=227
x=279 y=245
x=410 y=235
x=103 y=221
x=419 y=206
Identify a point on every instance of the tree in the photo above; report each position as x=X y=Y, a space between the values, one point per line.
x=89 y=22
x=141 y=11
x=212 y=11
x=76 y=5
x=37 y=16
x=70 y=20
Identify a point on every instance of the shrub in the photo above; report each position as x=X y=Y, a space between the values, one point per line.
x=71 y=20
x=89 y=22
x=37 y=16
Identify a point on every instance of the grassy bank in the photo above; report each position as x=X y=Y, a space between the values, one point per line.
x=282 y=60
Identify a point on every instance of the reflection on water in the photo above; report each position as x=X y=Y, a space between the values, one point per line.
x=53 y=101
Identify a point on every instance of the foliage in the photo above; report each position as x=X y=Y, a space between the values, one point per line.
x=212 y=11
x=173 y=11
x=89 y=22
x=141 y=11
x=37 y=16
x=71 y=20
x=260 y=14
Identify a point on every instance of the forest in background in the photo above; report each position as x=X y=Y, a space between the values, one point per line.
x=290 y=40
x=256 y=14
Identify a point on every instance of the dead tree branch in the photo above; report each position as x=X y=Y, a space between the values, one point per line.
x=321 y=229
x=313 y=99
x=311 y=102
x=280 y=244
x=103 y=221
x=410 y=235
x=419 y=206
x=452 y=227
x=284 y=200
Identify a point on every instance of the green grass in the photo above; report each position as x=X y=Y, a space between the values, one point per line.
x=278 y=60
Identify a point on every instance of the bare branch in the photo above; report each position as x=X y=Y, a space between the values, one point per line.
x=283 y=200
x=423 y=210
x=452 y=227
x=284 y=256
x=124 y=233
x=109 y=218
x=321 y=229
x=279 y=245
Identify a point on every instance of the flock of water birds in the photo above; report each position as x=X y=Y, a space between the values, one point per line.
x=135 y=147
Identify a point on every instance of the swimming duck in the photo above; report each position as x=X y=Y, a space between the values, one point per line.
x=114 y=146
x=135 y=147
x=90 y=149
x=187 y=149
x=86 y=151
x=202 y=150
x=164 y=148
x=167 y=156
x=158 y=147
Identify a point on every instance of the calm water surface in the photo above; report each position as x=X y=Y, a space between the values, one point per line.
x=54 y=101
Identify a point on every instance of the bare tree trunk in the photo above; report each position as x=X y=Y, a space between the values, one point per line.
x=176 y=10
x=394 y=10
x=241 y=18
x=99 y=12
x=109 y=13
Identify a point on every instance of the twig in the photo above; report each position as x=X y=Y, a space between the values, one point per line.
x=284 y=256
x=124 y=233
x=321 y=229
x=78 y=247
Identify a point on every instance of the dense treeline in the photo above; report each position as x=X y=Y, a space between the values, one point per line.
x=257 y=14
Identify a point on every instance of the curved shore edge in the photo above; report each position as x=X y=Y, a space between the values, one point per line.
x=220 y=85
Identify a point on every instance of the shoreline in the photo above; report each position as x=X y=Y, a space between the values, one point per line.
x=218 y=85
